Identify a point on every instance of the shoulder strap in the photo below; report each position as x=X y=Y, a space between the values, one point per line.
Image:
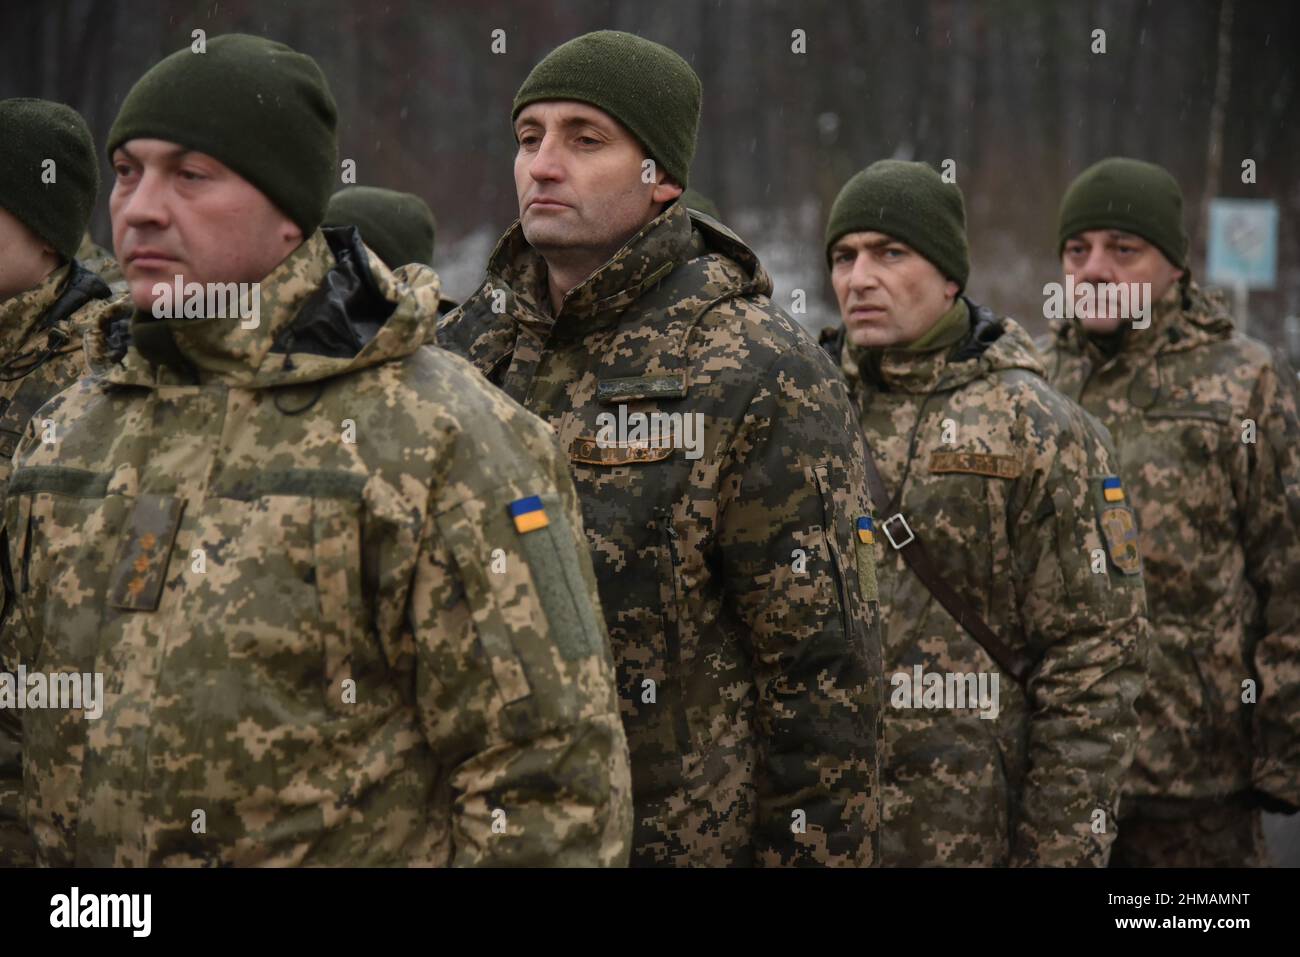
x=918 y=560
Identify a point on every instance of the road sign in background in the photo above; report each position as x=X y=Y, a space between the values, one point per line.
x=1243 y=243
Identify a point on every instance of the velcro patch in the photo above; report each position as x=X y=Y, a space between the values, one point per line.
x=976 y=463
x=529 y=515
x=641 y=387
x=587 y=450
x=1119 y=529
x=140 y=567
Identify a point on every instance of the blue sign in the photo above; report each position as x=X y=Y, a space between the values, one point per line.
x=1243 y=243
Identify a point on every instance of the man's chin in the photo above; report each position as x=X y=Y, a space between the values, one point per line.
x=872 y=337
x=1101 y=325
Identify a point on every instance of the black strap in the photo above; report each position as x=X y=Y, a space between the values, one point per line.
x=914 y=553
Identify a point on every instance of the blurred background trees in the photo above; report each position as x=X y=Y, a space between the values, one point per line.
x=1010 y=90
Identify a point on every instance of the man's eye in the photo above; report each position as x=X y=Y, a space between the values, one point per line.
x=1126 y=250
x=892 y=253
x=1074 y=250
x=191 y=175
x=588 y=141
x=123 y=170
x=528 y=139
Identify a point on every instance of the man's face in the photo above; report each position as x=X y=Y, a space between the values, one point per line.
x=889 y=294
x=25 y=258
x=180 y=212
x=1097 y=256
x=578 y=179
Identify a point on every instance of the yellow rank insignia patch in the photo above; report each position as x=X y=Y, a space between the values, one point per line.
x=528 y=514
x=1119 y=527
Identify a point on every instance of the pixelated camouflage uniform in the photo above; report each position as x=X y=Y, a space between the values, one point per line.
x=741 y=607
x=1220 y=533
x=289 y=552
x=1004 y=488
x=40 y=355
x=100 y=261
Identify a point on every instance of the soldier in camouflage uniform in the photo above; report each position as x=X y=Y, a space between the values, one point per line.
x=1002 y=480
x=44 y=289
x=1205 y=422
x=740 y=602
x=335 y=583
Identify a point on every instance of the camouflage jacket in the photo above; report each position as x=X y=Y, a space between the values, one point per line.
x=741 y=605
x=1205 y=423
x=100 y=261
x=40 y=349
x=1004 y=487
x=290 y=553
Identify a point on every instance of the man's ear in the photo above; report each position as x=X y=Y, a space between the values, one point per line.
x=951 y=290
x=666 y=190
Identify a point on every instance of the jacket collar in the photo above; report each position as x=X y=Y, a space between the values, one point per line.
x=22 y=315
x=519 y=271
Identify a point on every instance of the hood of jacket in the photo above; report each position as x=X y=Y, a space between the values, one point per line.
x=330 y=308
x=993 y=344
x=518 y=272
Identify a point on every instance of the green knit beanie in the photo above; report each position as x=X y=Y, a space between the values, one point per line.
x=256 y=105
x=645 y=86
x=1127 y=194
x=32 y=132
x=911 y=203
x=397 y=226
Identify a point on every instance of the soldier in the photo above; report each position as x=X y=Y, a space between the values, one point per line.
x=44 y=289
x=397 y=227
x=332 y=583
x=718 y=465
x=1014 y=629
x=1205 y=422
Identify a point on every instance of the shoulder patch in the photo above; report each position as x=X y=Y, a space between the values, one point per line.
x=1118 y=524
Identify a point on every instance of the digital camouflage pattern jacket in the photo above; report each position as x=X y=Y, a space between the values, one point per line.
x=1205 y=422
x=324 y=637
x=741 y=604
x=1005 y=489
x=40 y=349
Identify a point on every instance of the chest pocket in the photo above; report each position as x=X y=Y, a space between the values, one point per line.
x=283 y=554
x=1184 y=458
x=58 y=522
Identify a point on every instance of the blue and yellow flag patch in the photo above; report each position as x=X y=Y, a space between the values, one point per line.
x=528 y=514
x=1112 y=489
x=866 y=530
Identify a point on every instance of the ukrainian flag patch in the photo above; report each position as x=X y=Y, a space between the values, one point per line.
x=1112 y=489
x=528 y=514
x=866 y=530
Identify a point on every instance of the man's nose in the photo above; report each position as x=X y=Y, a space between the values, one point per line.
x=147 y=204
x=863 y=278
x=1096 y=268
x=546 y=164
